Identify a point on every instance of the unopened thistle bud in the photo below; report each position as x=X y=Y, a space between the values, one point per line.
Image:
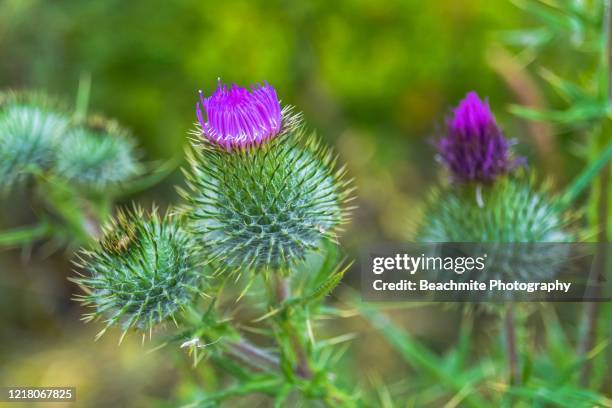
x=474 y=148
x=263 y=192
x=30 y=127
x=145 y=269
x=97 y=156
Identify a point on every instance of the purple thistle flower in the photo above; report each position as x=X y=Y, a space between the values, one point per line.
x=475 y=149
x=237 y=118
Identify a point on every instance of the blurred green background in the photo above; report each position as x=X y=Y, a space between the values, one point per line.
x=374 y=78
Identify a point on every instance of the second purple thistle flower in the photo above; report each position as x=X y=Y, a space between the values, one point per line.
x=236 y=118
x=474 y=148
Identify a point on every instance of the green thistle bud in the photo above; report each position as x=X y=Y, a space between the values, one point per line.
x=97 y=156
x=145 y=269
x=264 y=207
x=511 y=211
x=506 y=212
x=30 y=127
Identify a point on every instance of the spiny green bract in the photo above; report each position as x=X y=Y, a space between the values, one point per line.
x=512 y=211
x=97 y=156
x=145 y=269
x=264 y=207
x=30 y=127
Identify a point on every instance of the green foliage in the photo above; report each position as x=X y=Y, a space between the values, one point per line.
x=586 y=90
x=585 y=179
x=579 y=25
x=145 y=270
x=97 y=157
x=30 y=128
x=265 y=208
x=452 y=371
x=548 y=376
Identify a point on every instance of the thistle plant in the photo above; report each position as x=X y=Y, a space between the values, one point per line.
x=263 y=192
x=508 y=208
x=145 y=269
x=97 y=156
x=490 y=198
x=264 y=197
x=31 y=126
x=75 y=165
x=237 y=273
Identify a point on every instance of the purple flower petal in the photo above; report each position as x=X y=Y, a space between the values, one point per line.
x=236 y=118
x=474 y=148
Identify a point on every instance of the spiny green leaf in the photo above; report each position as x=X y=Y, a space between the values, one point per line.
x=323 y=290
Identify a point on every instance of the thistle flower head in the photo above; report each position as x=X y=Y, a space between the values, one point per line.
x=264 y=209
x=513 y=211
x=474 y=148
x=30 y=127
x=235 y=117
x=144 y=270
x=97 y=156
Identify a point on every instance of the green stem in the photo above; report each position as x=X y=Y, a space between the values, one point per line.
x=510 y=334
x=248 y=353
x=24 y=236
x=283 y=292
x=82 y=100
x=588 y=330
x=591 y=310
x=320 y=385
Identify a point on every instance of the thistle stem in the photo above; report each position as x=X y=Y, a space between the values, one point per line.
x=82 y=100
x=249 y=353
x=588 y=334
x=283 y=292
x=591 y=309
x=510 y=334
x=283 y=289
